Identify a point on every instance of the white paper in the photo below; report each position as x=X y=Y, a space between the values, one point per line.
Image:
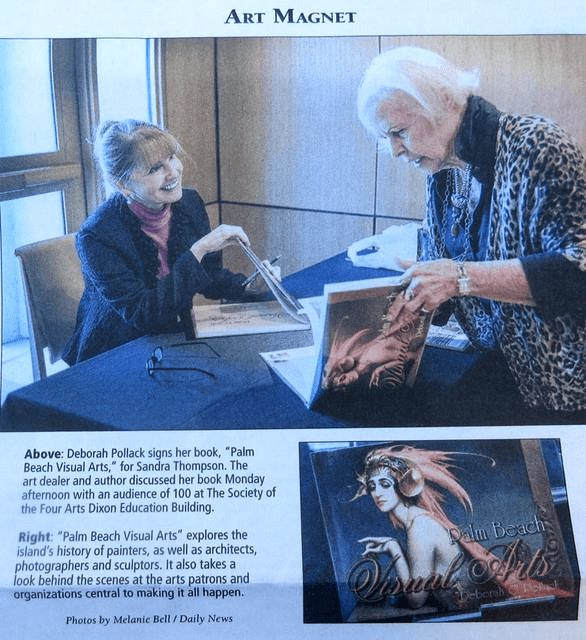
x=271 y=606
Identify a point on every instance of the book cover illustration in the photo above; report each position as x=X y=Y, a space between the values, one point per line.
x=444 y=531
x=366 y=340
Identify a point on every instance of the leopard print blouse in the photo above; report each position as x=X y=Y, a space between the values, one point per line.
x=538 y=205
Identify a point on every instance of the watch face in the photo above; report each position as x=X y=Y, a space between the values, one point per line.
x=464 y=285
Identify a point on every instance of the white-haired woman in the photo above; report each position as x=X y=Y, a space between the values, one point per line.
x=504 y=238
x=148 y=248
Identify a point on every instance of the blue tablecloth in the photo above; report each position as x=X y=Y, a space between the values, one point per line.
x=114 y=391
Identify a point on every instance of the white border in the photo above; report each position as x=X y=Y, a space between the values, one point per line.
x=195 y=18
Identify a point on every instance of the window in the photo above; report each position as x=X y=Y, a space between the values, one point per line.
x=26 y=100
x=54 y=92
x=24 y=220
x=41 y=186
x=126 y=90
x=39 y=126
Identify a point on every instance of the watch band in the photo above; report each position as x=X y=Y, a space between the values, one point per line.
x=463 y=280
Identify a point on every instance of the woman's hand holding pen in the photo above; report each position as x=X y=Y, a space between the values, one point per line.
x=273 y=268
x=270 y=266
x=219 y=238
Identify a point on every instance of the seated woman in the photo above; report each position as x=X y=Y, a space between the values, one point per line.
x=148 y=248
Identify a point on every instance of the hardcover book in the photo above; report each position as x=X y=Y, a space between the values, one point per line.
x=442 y=531
x=365 y=339
x=242 y=318
x=284 y=313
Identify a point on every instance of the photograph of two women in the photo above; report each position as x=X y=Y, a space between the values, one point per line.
x=149 y=181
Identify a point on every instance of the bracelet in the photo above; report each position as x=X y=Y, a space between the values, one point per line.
x=464 y=283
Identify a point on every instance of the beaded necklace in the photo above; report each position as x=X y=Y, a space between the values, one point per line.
x=458 y=199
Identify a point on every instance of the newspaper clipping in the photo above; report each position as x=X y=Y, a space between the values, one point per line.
x=180 y=486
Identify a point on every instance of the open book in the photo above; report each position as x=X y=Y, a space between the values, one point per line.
x=285 y=313
x=243 y=318
x=364 y=337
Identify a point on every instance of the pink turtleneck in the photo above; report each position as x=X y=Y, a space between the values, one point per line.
x=156 y=225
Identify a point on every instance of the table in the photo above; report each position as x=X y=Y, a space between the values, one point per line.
x=114 y=391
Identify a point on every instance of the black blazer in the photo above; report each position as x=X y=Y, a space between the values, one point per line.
x=123 y=297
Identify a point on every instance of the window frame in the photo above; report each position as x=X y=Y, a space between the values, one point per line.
x=62 y=170
x=71 y=168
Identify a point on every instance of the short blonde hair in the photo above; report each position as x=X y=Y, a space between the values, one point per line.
x=125 y=146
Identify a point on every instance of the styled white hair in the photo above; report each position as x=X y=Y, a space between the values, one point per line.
x=422 y=74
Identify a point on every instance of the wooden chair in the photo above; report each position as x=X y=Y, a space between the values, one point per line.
x=53 y=284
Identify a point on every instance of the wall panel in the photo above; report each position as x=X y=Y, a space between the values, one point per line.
x=191 y=110
x=288 y=128
x=301 y=237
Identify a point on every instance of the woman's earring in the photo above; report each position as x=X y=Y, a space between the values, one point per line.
x=123 y=190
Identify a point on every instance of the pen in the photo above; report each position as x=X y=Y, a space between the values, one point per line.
x=252 y=277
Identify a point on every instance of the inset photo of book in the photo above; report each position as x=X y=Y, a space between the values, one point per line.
x=438 y=531
x=365 y=341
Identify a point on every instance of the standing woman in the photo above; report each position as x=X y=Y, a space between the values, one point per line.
x=505 y=227
x=148 y=248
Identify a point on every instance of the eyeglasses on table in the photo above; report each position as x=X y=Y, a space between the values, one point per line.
x=153 y=363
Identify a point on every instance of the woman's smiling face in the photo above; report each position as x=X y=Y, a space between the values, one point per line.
x=412 y=136
x=159 y=184
x=381 y=487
